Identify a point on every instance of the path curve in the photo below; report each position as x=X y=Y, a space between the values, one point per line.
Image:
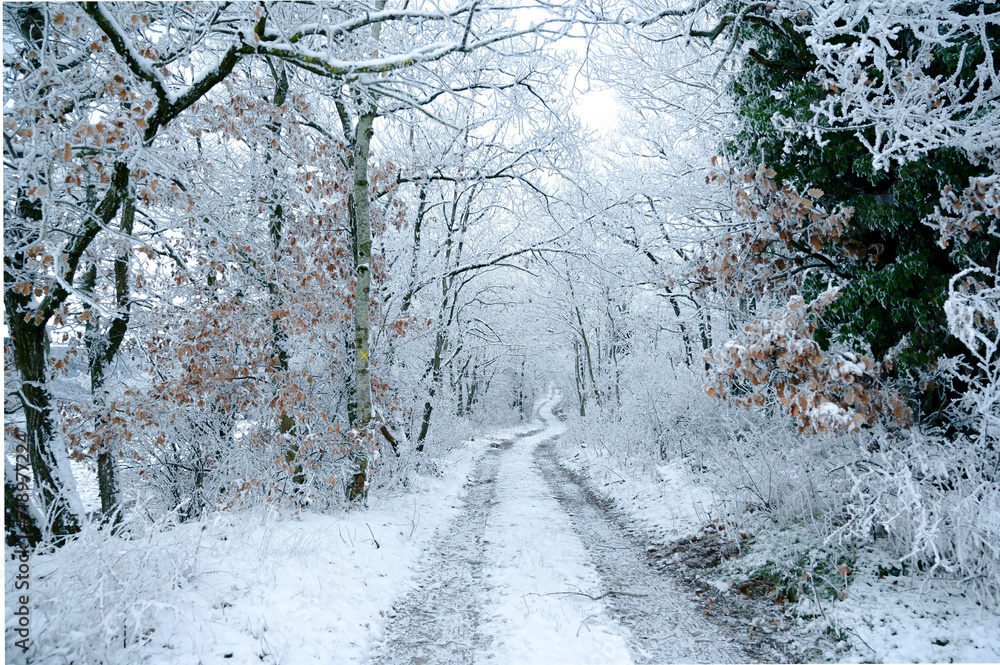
x=532 y=571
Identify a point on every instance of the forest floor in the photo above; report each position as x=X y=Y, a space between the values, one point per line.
x=515 y=547
x=534 y=570
x=499 y=557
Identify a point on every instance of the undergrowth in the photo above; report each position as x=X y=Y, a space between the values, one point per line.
x=804 y=521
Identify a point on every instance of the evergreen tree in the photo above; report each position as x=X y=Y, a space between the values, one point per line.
x=890 y=266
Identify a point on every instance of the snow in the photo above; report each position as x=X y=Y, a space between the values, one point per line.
x=312 y=585
x=282 y=587
x=538 y=565
x=63 y=474
x=893 y=619
x=904 y=619
x=266 y=585
x=87 y=488
x=669 y=506
x=929 y=622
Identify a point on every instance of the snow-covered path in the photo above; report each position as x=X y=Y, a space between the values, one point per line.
x=532 y=572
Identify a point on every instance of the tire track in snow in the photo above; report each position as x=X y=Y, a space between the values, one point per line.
x=438 y=621
x=665 y=626
x=541 y=609
x=532 y=571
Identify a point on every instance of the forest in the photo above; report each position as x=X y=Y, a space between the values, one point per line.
x=281 y=277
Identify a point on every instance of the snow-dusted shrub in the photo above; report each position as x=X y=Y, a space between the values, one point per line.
x=97 y=598
x=973 y=310
x=654 y=416
x=930 y=499
x=755 y=469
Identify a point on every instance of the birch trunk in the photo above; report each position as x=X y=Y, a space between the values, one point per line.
x=362 y=289
x=362 y=296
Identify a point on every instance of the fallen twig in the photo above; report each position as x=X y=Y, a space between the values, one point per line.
x=581 y=593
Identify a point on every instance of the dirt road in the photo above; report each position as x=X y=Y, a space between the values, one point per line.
x=533 y=571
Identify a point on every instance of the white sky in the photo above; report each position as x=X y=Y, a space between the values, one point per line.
x=598 y=110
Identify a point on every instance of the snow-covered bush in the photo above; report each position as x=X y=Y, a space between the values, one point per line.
x=925 y=499
x=929 y=498
x=98 y=598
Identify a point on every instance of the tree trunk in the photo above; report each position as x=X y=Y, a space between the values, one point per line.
x=446 y=314
x=440 y=342
x=101 y=351
x=417 y=226
x=358 y=487
x=21 y=524
x=471 y=388
x=279 y=339
x=586 y=344
x=362 y=293
x=578 y=373
x=30 y=344
x=704 y=327
x=521 y=397
x=586 y=350
x=685 y=336
x=30 y=356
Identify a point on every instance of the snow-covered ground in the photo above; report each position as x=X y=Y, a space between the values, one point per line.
x=535 y=563
x=525 y=548
x=270 y=587
x=531 y=572
x=881 y=618
x=502 y=559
